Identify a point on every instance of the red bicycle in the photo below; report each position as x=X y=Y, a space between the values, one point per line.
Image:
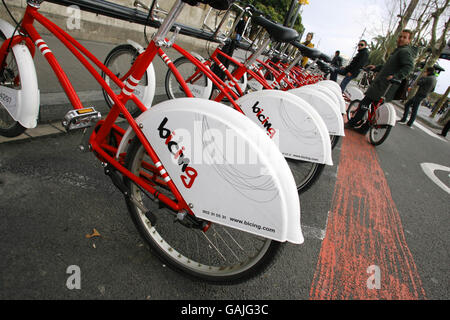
x=379 y=118
x=231 y=217
x=192 y=75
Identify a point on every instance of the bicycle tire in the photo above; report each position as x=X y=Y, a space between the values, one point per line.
x=305 y=173
x=334 y=141
x=242 y=83
x=169 y=241
x=352 y=109
x=10 y=77
x=173 y=88
x=382 y=130
x=125 y=54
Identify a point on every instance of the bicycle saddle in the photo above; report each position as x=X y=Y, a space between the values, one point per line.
x=306 y=51
x=216 y=4
x=325 y=67
x=277 y=32
x=324 y=57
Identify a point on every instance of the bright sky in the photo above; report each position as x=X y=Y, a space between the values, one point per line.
x=338 y=25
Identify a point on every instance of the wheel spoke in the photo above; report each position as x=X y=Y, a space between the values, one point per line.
x=222 y=253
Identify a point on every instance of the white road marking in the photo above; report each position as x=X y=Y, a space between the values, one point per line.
x=313 y=232
x=426 y=130
x=429 y=169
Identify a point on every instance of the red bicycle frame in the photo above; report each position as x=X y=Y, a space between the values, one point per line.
x=226 y=89
x=99 y=138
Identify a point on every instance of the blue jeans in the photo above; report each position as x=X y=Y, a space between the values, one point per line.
x=345 y=82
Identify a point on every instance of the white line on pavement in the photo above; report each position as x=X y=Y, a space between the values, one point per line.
x=429 y=169
x=426 y=130
x=313 y=232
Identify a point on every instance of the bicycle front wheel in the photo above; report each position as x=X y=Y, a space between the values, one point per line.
x=334 y=141
x=220 y=255
x=378 y=134
x=352 y=109
x=195 y=79
x=9 y=77
x=119 y=61
x=305 y=173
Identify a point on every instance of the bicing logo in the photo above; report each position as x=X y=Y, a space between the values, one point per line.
x=189 y=174
x=264 y=120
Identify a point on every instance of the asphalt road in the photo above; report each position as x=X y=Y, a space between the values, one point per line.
x=52 y=196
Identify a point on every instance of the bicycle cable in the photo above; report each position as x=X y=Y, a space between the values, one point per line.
x=146 y=21
x=9 y=12
x=15 y=30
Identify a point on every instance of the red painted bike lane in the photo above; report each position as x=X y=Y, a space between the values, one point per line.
x=364 y=254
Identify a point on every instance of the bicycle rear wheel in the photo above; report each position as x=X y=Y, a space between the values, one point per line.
x=9 y=77
x=305 y=173
x=220 y=255
x=378 y=134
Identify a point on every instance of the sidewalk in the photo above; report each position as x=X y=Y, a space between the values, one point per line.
x=423 y=116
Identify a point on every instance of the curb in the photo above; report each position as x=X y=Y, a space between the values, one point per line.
x=420 y=118
x=42 y=130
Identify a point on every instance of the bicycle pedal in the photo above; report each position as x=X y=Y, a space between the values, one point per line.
x=80 y=118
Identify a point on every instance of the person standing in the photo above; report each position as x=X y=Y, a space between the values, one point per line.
x=309 y=44
x=240 y=28
x=399 y=64
x=426 y=85
x=337 y=59
x=336 y=62
x=352 y=70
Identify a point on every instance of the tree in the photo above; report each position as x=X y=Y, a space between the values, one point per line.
x=432 y=47
x=424 y=18
x=440 y=104
x=277 y=11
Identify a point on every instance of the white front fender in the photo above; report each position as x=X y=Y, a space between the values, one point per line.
x=22 y=104
x=293 y=123
x=354 y=92
x=386 y=114
x=336 y=89
x=241 y=179
x=327 y=108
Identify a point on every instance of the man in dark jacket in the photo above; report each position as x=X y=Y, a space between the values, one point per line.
x=335 y=62
x=352 y=70
x=426 y=85
x=399 y=64
x=240 y=28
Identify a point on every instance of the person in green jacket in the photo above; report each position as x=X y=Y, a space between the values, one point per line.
x=399 y=64
x=426 y=85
